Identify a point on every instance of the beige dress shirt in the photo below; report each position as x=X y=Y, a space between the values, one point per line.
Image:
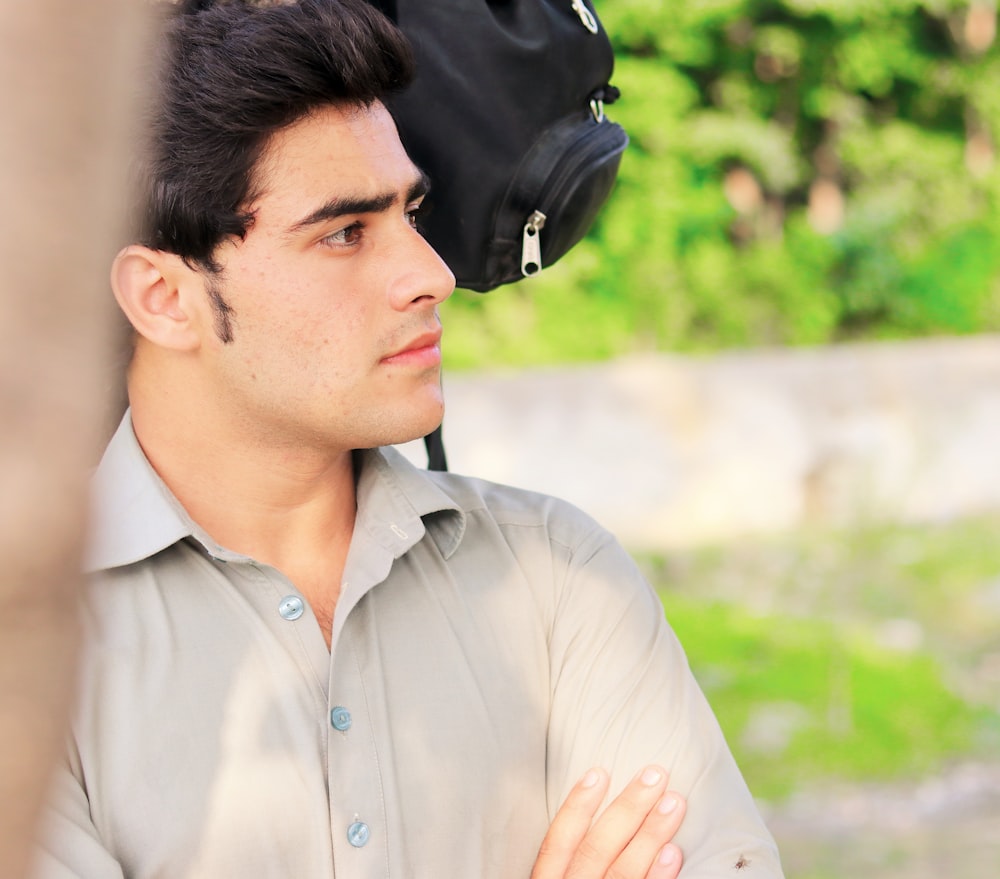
x=489 y=646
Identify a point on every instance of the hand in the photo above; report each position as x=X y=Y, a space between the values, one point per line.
x=630 y=839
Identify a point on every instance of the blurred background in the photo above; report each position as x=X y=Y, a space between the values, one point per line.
x=772 y=370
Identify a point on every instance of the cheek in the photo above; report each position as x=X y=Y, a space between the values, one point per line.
x=335 y=331
x=327 y=347
x=330 y=320
x=301 y=314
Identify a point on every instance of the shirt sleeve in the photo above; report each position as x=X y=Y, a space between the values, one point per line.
x=70 y=846
x=623 y=696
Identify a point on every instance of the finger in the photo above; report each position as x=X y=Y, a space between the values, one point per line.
x=570 y=826
x=617 y=825
x=646 y=850
x=667 y=864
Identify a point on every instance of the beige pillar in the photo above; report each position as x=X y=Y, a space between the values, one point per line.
x=68 y=71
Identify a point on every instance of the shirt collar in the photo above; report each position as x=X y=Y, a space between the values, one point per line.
x=134 y=515
x=397 y=501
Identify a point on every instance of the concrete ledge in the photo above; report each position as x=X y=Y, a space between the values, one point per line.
x=671 y=451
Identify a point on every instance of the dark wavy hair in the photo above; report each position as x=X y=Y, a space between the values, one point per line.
x=232 y=74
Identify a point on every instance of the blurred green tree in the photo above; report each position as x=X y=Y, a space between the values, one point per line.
x=801 y=172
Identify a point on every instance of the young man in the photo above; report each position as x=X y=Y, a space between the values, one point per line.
x=306 y=657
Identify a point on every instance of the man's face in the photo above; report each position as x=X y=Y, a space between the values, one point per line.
x=334 y=294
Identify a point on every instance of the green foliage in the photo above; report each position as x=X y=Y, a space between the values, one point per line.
x=801 y=172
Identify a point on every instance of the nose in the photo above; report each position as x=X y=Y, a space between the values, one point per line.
x=422 y=279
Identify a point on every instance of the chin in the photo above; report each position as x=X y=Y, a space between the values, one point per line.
x=408 y=429
x=426 y=427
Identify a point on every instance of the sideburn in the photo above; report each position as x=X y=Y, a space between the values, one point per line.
x=223 y=312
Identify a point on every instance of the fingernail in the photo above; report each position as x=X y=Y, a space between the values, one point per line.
x=668 y=854
x=651 y=776
x=667 y=805
x=590 y=779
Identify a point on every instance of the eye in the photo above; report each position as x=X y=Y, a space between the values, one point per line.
x=414 y=213
x=345 y=237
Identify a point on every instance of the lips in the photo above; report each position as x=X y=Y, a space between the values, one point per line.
x=423 y=350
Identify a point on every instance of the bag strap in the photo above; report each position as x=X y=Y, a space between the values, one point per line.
x=434 y=443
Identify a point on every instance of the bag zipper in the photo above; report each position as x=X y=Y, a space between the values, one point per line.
x=585 y=15
x=531 y=245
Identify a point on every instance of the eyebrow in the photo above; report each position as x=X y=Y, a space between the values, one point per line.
x=347 y=205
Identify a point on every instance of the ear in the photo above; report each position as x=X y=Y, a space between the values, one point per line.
x=161 y=296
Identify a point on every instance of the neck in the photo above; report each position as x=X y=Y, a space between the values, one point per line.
x=289 y=505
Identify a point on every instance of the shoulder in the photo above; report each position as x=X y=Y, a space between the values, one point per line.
x=488 y=522
x=519 y=510
x=546 y=551
x=552 y=540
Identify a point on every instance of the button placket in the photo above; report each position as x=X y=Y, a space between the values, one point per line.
x=357 y=812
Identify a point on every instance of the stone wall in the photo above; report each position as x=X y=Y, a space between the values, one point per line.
x=671 y=451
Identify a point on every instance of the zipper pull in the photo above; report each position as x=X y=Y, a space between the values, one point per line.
x=586 y=16
x=531 y=247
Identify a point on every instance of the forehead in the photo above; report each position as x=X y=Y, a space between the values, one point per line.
x=334 y=151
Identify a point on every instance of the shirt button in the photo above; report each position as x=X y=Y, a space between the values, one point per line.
x=341 y=718
x=358 y=834
x=291 y=607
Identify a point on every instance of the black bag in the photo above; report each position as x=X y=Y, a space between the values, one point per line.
x=506 y=116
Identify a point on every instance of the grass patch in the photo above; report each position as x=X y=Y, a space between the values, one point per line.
x=802 y=700
x=869 y=655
